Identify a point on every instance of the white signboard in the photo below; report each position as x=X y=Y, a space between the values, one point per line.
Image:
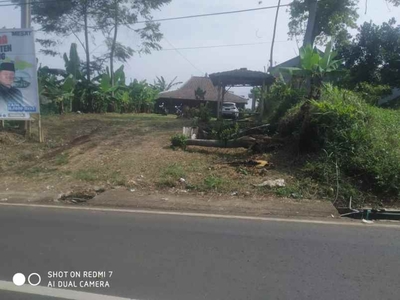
x=18 y=76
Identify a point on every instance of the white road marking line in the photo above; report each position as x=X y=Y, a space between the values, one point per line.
x=55 y=292
x=202 y=215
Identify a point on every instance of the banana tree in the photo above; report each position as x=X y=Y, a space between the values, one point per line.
x=316 y=68
x=58 y=92
x=67 y=90
x=139 y=92
x=112 y=96
x=73 y=62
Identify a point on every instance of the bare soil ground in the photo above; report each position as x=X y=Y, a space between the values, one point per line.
x=126 y=161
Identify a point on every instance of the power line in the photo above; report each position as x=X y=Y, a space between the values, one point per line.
x=173 y=18
x=221 y=46
x=32 y=2
x=214 y=14
x=184 y=57
x=208 y=47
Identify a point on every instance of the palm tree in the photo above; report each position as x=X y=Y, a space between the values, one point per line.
x=161 y=85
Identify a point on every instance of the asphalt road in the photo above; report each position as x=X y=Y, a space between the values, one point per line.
x=165 y=257
x=19 y=296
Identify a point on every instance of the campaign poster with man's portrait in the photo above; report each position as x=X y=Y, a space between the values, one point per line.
x=18 y=76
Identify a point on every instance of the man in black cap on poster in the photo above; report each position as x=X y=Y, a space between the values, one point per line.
x=8 y=93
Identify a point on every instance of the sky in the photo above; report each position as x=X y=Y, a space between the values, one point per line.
x=242 y=28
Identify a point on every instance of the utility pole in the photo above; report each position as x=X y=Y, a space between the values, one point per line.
x=309 y=36
x=25 y=13
x=271 y=63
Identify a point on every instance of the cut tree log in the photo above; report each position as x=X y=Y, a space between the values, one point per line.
x=220 y=144
x=261 y=142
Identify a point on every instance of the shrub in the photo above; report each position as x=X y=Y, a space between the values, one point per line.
x=187 y=111
x=192 y=112
x=204 y=113
x=241 y=113
x=361 y=141
x=290 y=123
x=224 y=130
x=279 y=100
x=179 y=140
x=195 y=122
x=373 y=93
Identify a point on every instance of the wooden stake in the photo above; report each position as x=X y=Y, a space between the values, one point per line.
x=223 y=97
x=219 y=102
x=262 y=99
x=28 y=126
x=253 y=104
x=41 y=138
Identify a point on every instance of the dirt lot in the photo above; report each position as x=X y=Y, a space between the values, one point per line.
x=126 y=160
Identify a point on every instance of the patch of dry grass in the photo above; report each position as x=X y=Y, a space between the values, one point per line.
x=132 y=150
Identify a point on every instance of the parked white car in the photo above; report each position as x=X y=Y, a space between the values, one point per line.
x=229 y=109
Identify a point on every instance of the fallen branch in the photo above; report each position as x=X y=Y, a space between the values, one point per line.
x=220 y=144
x=250 y=130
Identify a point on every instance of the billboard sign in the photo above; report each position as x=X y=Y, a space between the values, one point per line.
x=18 y=75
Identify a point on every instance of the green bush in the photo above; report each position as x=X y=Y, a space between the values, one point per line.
x=279 y=100
x=224 y=130
x=179 y=141
x=195 y=122
x=204 y=113
x=289 y=124
x=373 y=93
x=193 y=112
x=356 y=141
x=187 y=112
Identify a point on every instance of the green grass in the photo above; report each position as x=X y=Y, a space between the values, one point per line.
x=213 y=182
x=175 y=171
x=170 y=175
x=195 y=166
x=61 y=159
x=37 y=171
x=116 y=178
x=89 y=175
